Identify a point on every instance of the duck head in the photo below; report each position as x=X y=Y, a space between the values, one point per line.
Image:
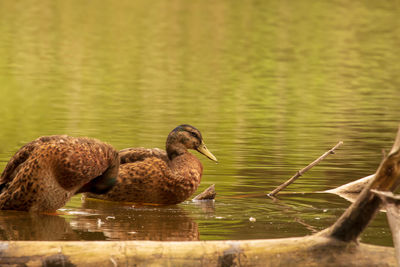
x=186 y=137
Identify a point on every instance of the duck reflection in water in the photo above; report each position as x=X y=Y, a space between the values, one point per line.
x=17 y=225
x=123 y=222
x=101 y=220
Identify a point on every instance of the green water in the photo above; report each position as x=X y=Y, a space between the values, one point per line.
x=271 y=84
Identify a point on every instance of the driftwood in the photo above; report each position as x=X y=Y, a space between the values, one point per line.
x=350 y=191
x=303 y=251
x=354 y=187
x=392 y=206
x=335 y=246
x=208 y=194
x=354 y=220
x=302 y=171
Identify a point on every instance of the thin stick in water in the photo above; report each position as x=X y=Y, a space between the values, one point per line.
x=302 y=171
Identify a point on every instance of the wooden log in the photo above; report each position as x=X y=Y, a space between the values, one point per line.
x=354 y=187
x=392 y=206
x=351 y=190
x=354 y=220
x=304 y=251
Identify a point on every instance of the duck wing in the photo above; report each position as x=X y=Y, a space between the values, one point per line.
x=15 y=163
x=81 y=158
x=45 y=173
x=130 y=155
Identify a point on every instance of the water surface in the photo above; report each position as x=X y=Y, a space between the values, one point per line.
x=271 y=84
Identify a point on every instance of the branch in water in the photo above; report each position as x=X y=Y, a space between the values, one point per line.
x=302 y=171
x=208 y=194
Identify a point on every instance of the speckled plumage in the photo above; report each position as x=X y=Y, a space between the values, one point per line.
x=154 y=176
x=45 y=173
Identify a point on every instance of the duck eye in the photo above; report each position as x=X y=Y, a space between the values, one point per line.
x=194 y=134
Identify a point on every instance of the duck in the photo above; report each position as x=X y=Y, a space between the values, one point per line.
x=160 y=177
x=45 y=173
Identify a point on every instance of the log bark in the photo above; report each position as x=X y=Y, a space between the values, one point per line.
x=304 y=251
x=354 y=187
x=392 y=206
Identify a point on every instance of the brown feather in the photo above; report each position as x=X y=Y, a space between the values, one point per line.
x=44 y=174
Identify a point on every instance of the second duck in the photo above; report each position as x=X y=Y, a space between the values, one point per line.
x=154 y=176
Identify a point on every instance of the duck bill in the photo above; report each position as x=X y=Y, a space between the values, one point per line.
x=204 y=150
